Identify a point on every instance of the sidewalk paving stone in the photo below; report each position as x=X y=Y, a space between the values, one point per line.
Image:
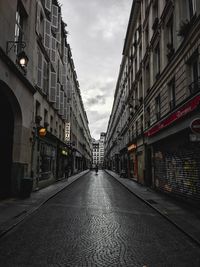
x=182 y=215
x=15 y=210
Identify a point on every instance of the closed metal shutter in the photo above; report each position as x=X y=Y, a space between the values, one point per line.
x=177 y=170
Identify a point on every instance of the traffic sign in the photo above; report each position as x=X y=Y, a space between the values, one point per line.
x=195 y=126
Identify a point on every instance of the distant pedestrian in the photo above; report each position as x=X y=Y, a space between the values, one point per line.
x=66 y=171
x=96 y=168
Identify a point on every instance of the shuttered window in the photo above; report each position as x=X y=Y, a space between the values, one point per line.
x=65 y=108
x=54 y=16
x=65 y=55
x=45 y=77
x=48 y=4
x=47 y=34
x=53 y=49
x=52 y=88
x=39 y=25
x=40 y=69
x=57 y=104
x=64 y=77
x=61 y=111
x=58 y=33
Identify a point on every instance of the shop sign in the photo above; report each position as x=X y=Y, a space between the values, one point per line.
x=132 y=147
x=195 y=126
x=183 y=111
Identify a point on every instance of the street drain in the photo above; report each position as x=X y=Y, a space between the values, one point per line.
x=151 y=201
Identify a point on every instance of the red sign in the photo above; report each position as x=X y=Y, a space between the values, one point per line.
x=195 y=126
x=179 y=114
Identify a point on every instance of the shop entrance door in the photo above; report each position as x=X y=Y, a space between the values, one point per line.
x=6 y=145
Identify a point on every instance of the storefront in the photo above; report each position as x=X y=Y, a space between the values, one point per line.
x=44 y=160
x=175 y=145
x=63 y=162
x=124 y=162
x=177 y=165
x=132 y=160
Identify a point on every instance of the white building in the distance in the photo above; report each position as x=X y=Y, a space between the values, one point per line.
x=98 y=150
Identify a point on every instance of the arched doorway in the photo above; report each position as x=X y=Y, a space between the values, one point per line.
x=6 y=144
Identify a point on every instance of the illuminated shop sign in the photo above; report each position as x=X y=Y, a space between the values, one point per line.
x=179 y=114
x=132 y=147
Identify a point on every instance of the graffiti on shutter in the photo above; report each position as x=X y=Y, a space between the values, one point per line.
x=47 y=34
x=48 y=5
x=178 y=172
x=57 y=104
x=52 y=88
x=40 y=69
x=61 y=110
x=45 y=87
x=54 y=16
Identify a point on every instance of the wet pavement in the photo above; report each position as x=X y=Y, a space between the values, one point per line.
x=183 y=215
x=95 y=221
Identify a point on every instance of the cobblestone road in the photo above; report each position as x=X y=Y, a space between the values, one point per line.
x=97 y=222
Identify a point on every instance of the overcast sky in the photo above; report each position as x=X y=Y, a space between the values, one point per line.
x=97 y=30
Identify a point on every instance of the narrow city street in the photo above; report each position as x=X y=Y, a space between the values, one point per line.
x=97 y=222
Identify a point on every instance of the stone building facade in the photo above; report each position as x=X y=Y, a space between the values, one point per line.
x=43 y=95
x=98 y=150
x=150 y=136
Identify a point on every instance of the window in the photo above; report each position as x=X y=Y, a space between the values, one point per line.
x=140 y=53
x=135 y=65
x=192 y=7
x=170 y=38
x=40 y=16
x=147 y=78
x=19 y=25
x=171 y=94
x=141 y=124
x=51 y=124
x=147 y=35
x=38 y=117
x=37 y=108
x=148 y=113
x=157 y=61
x=45 y=77
x=157 y=107
x=136 y=128
x=155 y=9
x=194 y=73
x=146 y=2
x=45 y=116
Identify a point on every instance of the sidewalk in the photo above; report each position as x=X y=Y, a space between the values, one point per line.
x=13 y=211
x=184 y=217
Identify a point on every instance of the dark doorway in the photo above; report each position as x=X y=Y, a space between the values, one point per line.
x=6 y=145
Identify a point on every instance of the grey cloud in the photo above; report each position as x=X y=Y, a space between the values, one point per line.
x=97 y=30
x=99 y=99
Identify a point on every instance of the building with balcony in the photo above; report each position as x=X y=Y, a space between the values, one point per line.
x=149 y=135
x=45 y=124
